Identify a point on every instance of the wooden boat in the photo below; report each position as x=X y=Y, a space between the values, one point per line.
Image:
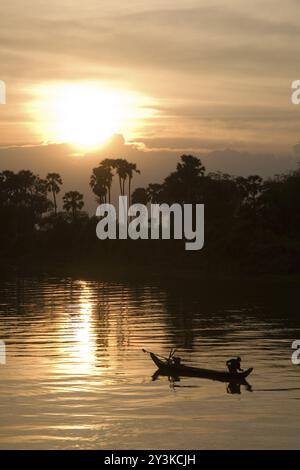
x=168 y=368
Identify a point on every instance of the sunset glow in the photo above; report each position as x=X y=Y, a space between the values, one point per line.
x=150 y=229
x=85 y=114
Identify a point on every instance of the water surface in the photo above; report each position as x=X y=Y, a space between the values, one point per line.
x=76 y=377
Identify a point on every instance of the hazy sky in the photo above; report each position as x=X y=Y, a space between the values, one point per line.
x=214 y=74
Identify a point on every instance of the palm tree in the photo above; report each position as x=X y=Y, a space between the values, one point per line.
x=73 y=202
x=54 y=182
x=98 y=184
x=102 y=176
x=131 y=167
x=101 y=180
x=108 y=165
x=121 y=166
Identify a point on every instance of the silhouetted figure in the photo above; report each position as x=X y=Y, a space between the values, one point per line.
x=234 y=388
x=234 y=365
x=176 y=361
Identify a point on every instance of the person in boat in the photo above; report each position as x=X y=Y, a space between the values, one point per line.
x=176 y=360
x=234 y=365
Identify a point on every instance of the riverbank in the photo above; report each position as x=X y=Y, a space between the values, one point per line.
x=32 y=267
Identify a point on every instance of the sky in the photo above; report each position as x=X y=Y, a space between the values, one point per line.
x=208 y=77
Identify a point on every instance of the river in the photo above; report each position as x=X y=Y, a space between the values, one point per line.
x=75 y=375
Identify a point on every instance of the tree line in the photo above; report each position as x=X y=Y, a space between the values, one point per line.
x=25 y=191
x=250 y=222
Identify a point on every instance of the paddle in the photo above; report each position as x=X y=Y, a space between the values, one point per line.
x=158 y=355
x=172 y=352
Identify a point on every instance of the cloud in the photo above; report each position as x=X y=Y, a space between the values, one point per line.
x=220 y=72
x=208 y=39
x=205 y=39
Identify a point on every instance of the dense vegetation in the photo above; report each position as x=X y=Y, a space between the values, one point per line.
x=251 y=225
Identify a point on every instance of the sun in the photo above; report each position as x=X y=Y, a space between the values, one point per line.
x=83 y=114
x=86 y=115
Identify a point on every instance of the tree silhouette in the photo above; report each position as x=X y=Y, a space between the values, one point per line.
x=23 y=202
x=154 y=192
x=54 y=182
x=140 y=196
x=98 y=186
x=73 y=202
x=24 y=190
x=101 y=181
x=251 y=224
x=184 y=185
x=121 y=166
x=108 y=165
x=131 y=168
x=102 y=176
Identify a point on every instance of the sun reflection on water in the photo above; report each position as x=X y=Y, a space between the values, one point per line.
x=76 y=376
x=80 y=348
